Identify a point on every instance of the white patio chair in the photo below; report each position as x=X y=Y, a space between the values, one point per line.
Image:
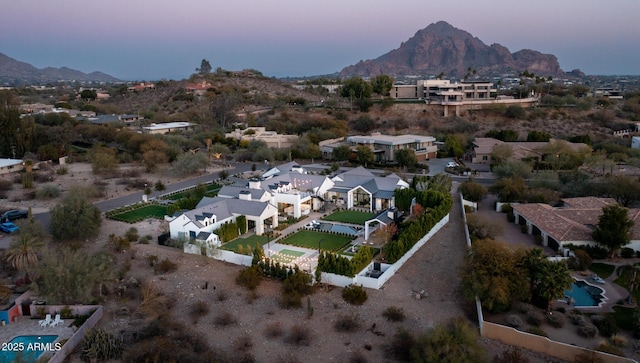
x=47 y=320
x=57 y=321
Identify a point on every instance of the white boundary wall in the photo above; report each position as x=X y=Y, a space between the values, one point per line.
x=376 y=283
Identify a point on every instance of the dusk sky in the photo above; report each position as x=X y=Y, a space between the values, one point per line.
x=151 y=39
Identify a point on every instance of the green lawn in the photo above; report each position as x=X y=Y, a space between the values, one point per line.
x=310 y=239
x=603 y=270
x=349 y=216
x=211 y=191
x=247 y=243
x=144 y=212
x=286 y=256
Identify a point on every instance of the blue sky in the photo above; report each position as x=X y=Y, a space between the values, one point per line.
x=151 y=39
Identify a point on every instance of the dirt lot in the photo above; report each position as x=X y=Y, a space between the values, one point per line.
x=434 y=270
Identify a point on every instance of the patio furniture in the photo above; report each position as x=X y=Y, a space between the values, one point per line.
x=57 y=321
x=47 y=320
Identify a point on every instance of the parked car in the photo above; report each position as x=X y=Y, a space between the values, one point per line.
x=14 y=214
x=452 y=164
x=8 y=227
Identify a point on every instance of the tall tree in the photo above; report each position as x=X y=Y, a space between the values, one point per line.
x=23 y=252
x=553 y=280
x=342 y=153
x=473 y=191
x=75 y=218
x=73 y=277
x=358 y=91
x=614 y=228
x=205 y=67
x=491 y=274
x=382 y=84
x=9 y=124
x=364 y=155
x=531 y=262
x=406 y=158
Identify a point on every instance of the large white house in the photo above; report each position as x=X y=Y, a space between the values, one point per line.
x=285 y=190
x=199 y=224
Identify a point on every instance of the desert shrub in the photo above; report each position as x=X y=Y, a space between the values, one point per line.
x=588 y=331
x=537 y=331
x=355 y=295
x=118 y=243
x=618 y=341
x=199 y=309
x=577 y=319
x=606 y=325
x=250 y=277
x=224 y=318
x=561 y=309
x=243 y=343
x=514 y=321
x=347 y=323
x=393 y=313
x=581 y=261
x=144 y=240
x=299 y=335
x=48 y=192
x=66 y=312
x=512 y=355
x=101 y=345
x=556 y=320
x=165 y=266
x=535 y=318
x=152 y=260
x=627 y=252
x=401 y=345
x=588 y=357
x=222 y=296
x=357 y=357
x=131 y=234
x=525 y=308
x=609 y=348
x=273 y=330
x=62 y=171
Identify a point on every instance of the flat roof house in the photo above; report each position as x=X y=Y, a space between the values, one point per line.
x=10 y=166
x=385 y=146
x=167 y=127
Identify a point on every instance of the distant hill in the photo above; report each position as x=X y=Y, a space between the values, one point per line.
x=441 y=47
x=13 y=71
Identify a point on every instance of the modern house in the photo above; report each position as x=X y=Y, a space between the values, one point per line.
x=453 y=97
x=572 y=223
x=271 y=138
x=483 y=148
x=385 y=147
x=361 y=189
x=164 y=128
x=197 y=88
x=200 y=223
x=10 y=166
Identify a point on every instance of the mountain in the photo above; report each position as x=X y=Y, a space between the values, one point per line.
x=441 y=47
x=13 y=71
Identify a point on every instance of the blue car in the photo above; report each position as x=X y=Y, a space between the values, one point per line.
x=8 y=227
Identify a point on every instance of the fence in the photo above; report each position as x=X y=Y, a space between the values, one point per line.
x=76 y=338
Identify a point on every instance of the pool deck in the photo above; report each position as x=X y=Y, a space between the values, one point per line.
x=27 y=326
x=612 y=292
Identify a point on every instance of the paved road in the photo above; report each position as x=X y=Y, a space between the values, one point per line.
x=109 y=204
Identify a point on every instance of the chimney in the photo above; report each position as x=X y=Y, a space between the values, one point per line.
x=244 y=195
x=391 y=213
x=254 y=183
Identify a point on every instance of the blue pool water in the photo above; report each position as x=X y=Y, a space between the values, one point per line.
x=584 y=294
x=29 y=347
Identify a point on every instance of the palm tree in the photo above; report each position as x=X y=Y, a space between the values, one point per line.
x=531 y=263
x=554 y=279
x=23 y=252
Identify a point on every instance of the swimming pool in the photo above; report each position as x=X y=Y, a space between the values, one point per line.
x=585 y=295
x=29 y=347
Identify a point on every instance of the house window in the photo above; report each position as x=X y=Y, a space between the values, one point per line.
x=485 y=157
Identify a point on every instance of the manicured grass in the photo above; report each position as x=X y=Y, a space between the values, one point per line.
x=286 y=256
x=247 y=243
x=144 y=212
x=349 y=216
x=310 y=239
x=603 y=270
x=211 y=191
